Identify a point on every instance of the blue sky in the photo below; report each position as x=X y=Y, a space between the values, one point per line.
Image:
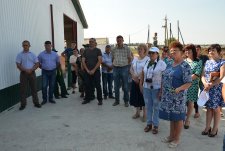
x=201 y=21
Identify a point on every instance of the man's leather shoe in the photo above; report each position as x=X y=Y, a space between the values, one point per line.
x=86 y=101
x=126 y=104
x=52 y=101
x=116 y=103
x=111 y=97
x=43 y=102
x=37 y=105
x=91 y=99
x=22 y=108
x=82 y=95
x=100 y=102
x=64 y=96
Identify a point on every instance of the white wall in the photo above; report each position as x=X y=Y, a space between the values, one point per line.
x=30 y=20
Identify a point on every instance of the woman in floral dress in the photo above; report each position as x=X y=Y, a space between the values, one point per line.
x=176 y=79
x=214 y=87
x=196 y=68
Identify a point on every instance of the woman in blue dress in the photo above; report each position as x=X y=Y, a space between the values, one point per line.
x=176 y=79
x=213 y=85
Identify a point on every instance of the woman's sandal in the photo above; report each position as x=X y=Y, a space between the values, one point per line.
x=135 y=116
x=166 y=140
x=197 y=115
x=206 y=132
x=173 y=145
x=186 y=126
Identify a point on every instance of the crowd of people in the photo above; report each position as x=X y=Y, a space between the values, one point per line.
x=165 y=84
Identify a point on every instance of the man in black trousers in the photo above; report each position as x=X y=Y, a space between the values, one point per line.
x=91 y=61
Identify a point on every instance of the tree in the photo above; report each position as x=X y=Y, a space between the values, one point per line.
x=168 y=41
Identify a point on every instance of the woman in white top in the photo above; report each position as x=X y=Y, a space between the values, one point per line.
x=73 y=60
x=151 y=84
x=136 y=97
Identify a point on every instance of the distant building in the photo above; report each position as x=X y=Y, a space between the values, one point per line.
x=36 y=21
x=101 y=42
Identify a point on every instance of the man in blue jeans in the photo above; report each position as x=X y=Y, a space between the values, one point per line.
x=49 y=61
x=107 y=72
x=121 y=56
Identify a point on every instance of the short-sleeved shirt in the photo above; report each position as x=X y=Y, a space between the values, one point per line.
x=107 y=59
x=154 y=73
x=91 y=57
x=196 y=68
x=48 y=61
x=120 y=56
x=26 y=59
x=73 y=59
x=68 y=52
x=137 y=65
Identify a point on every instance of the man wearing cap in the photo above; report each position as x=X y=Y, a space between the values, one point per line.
x=107 y=72
x=121 y=56
x=27 y=63
x=49 y=61
x=91 y=61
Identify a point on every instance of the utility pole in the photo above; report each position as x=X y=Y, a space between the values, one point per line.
x=129 y=40
x=166 y=31
x=170 y=34
x=178 y=31
x=148 y=39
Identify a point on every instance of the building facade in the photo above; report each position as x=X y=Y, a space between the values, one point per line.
x=36 y=21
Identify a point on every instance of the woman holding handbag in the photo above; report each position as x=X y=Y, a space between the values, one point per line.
x=213 y=85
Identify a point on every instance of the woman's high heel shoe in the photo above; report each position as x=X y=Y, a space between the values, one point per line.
x=213 y=135
x=206 y=132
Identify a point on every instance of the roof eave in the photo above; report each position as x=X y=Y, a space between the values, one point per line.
x=80 y=13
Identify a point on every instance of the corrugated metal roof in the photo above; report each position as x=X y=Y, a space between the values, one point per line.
x=80 y=13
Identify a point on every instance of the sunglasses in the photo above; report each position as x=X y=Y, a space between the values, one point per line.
x=151 y=53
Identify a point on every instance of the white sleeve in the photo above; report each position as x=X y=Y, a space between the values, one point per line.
x=223 y=80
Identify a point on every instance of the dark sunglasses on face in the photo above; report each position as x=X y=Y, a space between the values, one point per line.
x=151 y=53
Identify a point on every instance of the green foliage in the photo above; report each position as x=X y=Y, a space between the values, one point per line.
x=168 y=41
